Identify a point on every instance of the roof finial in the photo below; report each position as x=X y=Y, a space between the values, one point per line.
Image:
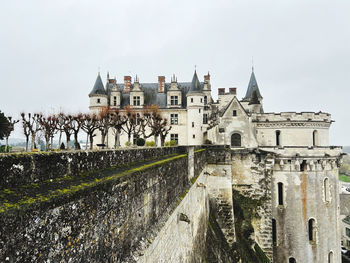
x=99 y=70
x=107 y=74
x=195 y=67
x=252 y=64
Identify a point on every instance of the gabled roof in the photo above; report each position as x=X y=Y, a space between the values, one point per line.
x=195 y=85
x=98 y=87
x=223 y=111
x=252 y=86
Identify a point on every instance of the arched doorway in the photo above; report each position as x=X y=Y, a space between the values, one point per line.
x=236 y=140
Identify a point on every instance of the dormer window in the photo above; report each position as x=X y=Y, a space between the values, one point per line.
x=234 y=113
x=137 y=101
x=98 y=101
x=174 y=100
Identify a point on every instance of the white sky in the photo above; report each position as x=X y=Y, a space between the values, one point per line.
x=50 y=51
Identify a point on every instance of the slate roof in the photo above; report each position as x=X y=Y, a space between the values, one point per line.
x=252 y=86
x=98 y=87
x=195 y=84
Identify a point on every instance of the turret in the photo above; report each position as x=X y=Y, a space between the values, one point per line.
x=252 y=86
x=195 y=108
x=98 y=96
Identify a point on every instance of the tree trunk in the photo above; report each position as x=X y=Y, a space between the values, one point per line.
x=91 y=140
x=87 y=141
x=68 y=141
x=162 y=140
x=60 y=139
x=51 y=146
x=6 y=144
x=27 y=142
x=76 y=143
x=47 y=146
x=33 y=141
x=116 y=139
x=103 y=137
x=129 y=138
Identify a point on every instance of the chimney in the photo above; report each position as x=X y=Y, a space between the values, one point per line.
x=207 y=78
x=127 y=84
x=221 y=91
x=233 y=91
x=161 y=84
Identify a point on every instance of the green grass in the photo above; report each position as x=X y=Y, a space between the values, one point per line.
x=344 y=178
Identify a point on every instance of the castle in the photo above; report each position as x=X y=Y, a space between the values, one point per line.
x=287 y=152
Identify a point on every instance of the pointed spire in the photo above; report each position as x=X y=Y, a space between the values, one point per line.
x=107 y=74
x=195 y=85
x=98 y=86
x=253 y=85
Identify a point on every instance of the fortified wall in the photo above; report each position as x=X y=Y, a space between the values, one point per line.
x=170 y=204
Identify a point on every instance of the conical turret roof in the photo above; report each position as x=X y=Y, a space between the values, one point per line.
x=98 y=87
x=252 y=86
x=195 y=85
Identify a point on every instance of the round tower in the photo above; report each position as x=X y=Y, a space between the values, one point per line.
x=98 y=96
x=195 y=108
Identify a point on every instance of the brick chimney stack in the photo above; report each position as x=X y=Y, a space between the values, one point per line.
x=161 y=84
x=207 y=78
x=127 y=84
x=233 y=91
x=221 y=91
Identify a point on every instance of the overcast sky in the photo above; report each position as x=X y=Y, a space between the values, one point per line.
x=51 y=51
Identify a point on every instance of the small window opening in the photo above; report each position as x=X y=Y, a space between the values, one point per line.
x=314 y=138
x=274 y=232
x=199 y=110
x=205 y=100
x=192 y=124
x=280 y=193
x=114 y=100
x=312 y=230
x=193 y=136
x=98 y=100
x=292 y=260
x=201 y=100
x=303 y=166
x=234 y=113
x=330 y=257
x=278 y=138
x=326 y=189
x=191 y=99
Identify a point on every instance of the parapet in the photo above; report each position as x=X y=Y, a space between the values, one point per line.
x=292 y=116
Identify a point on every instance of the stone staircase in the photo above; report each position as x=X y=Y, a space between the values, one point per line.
x=225 y=218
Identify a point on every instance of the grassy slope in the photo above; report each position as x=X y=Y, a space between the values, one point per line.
x=344 y=178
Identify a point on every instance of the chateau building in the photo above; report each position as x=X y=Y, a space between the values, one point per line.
x=302 y=221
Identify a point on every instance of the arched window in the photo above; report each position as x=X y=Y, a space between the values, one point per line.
x=330 y=257
x=236 y=140
x=312 y=230
x=292 y=260
x=280 y=193
x=315 y=138
x=274 y=232
x=278 y=138
x=326 y=190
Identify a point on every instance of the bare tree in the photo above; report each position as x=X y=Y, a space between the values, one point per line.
x=31 y=126
x=130 y=126
x=90 y=125
x=68 y=127
x=118 y=120
x=49 y=127
x=77 y=122
x=9 y=130
x=105 y=118
x=60 y=125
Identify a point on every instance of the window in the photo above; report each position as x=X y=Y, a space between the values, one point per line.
x=278 y=138
x=191 y=99
x=348 y=243
x=137 y=101
x=326 y=190
x=347 y=230
x=280 y=193
x=314 y=138
x=274 y=232
x=174 y=137
x=205 y=118
x=205 y=100
x=330 y=257
x=174 y=118
x=303 y=166
x=192 y=124
x=201 y=100
x=236 y=140
x=98 y=100
x=193 y=136
x=115 y=101
x=199 y=110
x=174 y=100
x=292 y=260
x=234 y=113
x=312 y=230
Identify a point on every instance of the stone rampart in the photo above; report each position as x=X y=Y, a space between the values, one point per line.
x=25 y=168
x=111 y=215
